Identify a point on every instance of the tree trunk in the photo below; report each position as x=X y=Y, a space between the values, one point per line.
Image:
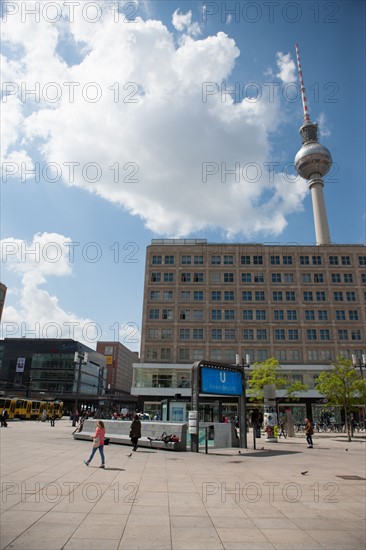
x=347 y=422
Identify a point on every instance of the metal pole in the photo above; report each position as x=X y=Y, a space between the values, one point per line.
x=242 y=408
x=77 y=390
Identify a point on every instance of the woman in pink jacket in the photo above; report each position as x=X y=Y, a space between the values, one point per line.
x=98 y=443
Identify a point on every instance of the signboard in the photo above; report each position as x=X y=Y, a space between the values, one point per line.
x=20 y=364
x=109 y=359
x=221 y=381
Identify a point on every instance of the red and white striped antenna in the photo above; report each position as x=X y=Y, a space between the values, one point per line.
x=302 y=87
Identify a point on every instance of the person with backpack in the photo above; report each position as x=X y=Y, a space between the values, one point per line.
x=4 y=416
x=135 y=431
x=309 y=431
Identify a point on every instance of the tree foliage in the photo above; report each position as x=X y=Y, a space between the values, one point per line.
x=269 y=372
x=343 y=386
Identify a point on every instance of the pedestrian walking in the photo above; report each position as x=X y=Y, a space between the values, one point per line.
x=135 y=432
x=309 y=431
x=98 y=443
x=4 y=416
x=53 y=418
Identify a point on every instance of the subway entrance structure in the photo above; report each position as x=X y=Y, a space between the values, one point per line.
x=209 y=377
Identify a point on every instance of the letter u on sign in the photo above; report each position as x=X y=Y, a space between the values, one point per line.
x=222 y=377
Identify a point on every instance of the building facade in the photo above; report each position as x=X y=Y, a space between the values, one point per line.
x=119 y=361
x=304 y=305
x=3 y=290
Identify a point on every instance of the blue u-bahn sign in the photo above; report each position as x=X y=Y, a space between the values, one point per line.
x=221 y=381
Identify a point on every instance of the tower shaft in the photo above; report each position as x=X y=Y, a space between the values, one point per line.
x=322 y=233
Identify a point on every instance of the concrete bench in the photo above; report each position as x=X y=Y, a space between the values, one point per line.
x=118 y=431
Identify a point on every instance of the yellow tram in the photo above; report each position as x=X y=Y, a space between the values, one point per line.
x=30 y=409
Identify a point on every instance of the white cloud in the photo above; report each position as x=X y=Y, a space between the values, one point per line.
x=323 y=126
x=183 y=21
x=287 y=68
x=155 y=123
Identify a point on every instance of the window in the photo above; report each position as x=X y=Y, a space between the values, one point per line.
x=363 y=278
x=355 y=335
x=216 y=314
x=185 y=314
x=277 y=296
x=198 y=295
x=216 y=334
x=248 y=334
x=228 y=259
x=185 y=295
x=229 y=314
x=348 y=278
x=308 y=296
x=260 y=315
x=293 y=355
x=311 y=334
x=198 y=277
x=198 y=314
x=153 y=334
x=228 y=295
x=197 y=354
x=261 y=334
x=167 y=314
x=276 y=277
x=168 y=295
x=215 y=260
x=287 y=260
x=258 y=278
x=228 y=277
x=166 y=334
x=305 y=278
x=322 y=315
x=290 y=296
x=324 y=334
x=304 y=260
x=153 y=314
x=312 y=355
x=291 y=315
x=258 y=260
x=166 y=354
x=216 y=295
x=279 y=334
x=154 y=294
x=168 y=277
x=247 y=315
x=152 y=353
x=156 y=260
x=336 y=277
x=246 y=296
x=259 y=296
x=325 y=355
x=353 y=315
x=215 y=277
x=338 y=296
x=342 y=334
x=288 y=277
x=245 y=260
x=184 y=334
x=262 y=355
x=246 y=278
x=198 y=260
x=278 y=315
x=155 y=277
x=333 y=260
x=229 y=355
x=183 y=354
x=198 y=334
x=320 y=296
x=317 y=260
x=169 y=260
x=230 y=334
x=362 y=260
x=309 y=315
x=318 y=278
x=351 y=296
x=340 y=315
x=275 y=260
x=345 y=260
x=293 y=334
x=186 y=260
x=280 y=354
x=185 y=277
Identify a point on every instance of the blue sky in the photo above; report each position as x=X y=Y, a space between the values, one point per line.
x=163 y=119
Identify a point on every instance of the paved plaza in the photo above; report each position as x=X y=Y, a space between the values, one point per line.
x=281 y=496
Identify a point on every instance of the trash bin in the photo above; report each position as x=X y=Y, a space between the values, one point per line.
x=211 y=433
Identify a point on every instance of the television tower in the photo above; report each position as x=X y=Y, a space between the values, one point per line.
x=312 y=162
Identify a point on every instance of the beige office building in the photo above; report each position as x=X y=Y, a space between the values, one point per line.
x=300 y=304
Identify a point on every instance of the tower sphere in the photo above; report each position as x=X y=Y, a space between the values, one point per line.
x=313 y=158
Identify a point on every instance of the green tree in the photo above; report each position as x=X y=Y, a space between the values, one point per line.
x=343 y=386
x=269 y=372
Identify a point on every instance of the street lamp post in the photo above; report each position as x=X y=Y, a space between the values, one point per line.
x=360 y=363
x=80 y=358
x=245 y=363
